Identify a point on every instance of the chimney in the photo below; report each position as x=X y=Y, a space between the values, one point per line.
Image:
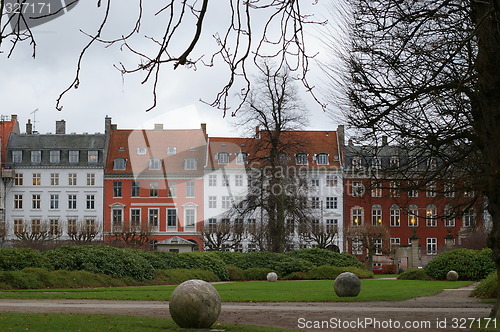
x=107 y=124
x=60 y=127
x=158 y=126
x=384 y=140
x=204 y=128
x=29 y=127
x=13 y=118
x=341 y=135
x=257 y=132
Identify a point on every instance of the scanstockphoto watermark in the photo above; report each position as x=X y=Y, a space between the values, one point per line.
x=27 y=14
x=371 y=323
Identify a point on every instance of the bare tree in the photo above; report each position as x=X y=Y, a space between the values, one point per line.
x=249 y=31
x=373 y=238
x=425 y=73
x=322 y=235
x=222 y=235
x=39 y=234
x=131 y=236
x=84 y=232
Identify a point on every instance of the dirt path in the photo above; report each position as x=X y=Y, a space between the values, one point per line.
x=447 y=311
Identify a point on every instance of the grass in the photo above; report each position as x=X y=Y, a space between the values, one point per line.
x=91 y=323
x=257 y=291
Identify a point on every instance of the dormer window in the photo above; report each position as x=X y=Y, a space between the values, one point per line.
x=55 y=156
x=394 y=162
x=322 y=159
x=376 y=164
x=356 y=162
x=432 y=163
x=223 y=158
x=74 y=156
x=36 y=156
x=141 y=150
x=154 y=163
x=17 y=156
x=242 y=158
x=301 y=158
x=171 y=150
x=93 y=157
x=119 y=164
x=190 y=164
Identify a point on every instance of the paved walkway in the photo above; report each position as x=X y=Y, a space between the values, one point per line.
x=447 y=311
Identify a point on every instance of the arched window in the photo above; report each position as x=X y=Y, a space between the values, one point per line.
x=413 y=216
x=322 y=159
x=431 y=215
x=376 y=215
x=223 y=158
x=395 y=216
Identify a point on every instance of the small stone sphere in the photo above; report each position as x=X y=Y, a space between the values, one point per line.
x=195 y=304
x=347 y=284
x=272 y=276
x=452 y=275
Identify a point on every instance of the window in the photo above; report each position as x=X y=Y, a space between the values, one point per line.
x=375 y=163
x=357 y=247
x=301 y=158
x=413 y=189
x=90 y=202
x=449 y=190
x=357 y=216
x=376 y=189
x=72 y=226
x=212 y=202
x=119 y=164
x=395 y=241
x=331 y=202
x=18 y=226
x=358 y=189
x=74 y=156
x=171 y=150
x=469 y=193
x=469 y=218
x=238 y=180
x=223 y=158
x=431 y=189
x=154 y=163
x=153 y=216
x=356 y=162
x=394 y=162
x=212 y=225
x=226 y=202
x=190 y=189
x=315 y=203
x=171 y=218
x=395 y=216
x=36 y=202
x=141 y=150
x=394 y=190
x=135 y=218
x=172 y=189
x=36 y=157
x=331 y=225
x=72 y=179
x=376 y=215
x=413 y=216
x=18 y=179
x=242 y=158
x=431 y=215
x=55 y=156
x=18 y=201
x=189 y=216
x=117 y=189
x=17 y=156
x=117 y=217
x=93 y=157
x=378 y=246
x=432 y=163
x=37 y=179
x=212 y=180
x=190 y=164
x=136 y=189
x=449 y=218
x=431 y=246
x=72 y=202
x=322 y=159
x=331 y=180
x=90 y=225
x=225 y=180
x=315 y=182
x=90 y=179
x=54 y=201
x=36 y=226
x=54 y=226
x=153 y=189
x=54 y=179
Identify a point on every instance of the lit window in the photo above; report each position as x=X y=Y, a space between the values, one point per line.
x=431 y=215
x=153 y=189
x=376 y=189
x=37 y=179
x=72 y=179
x=54 y=179
x=90 y=179
x=395 y=216
x=301 y=158
x=413 y=216
x=93 y=157
x=153 y=217
x=357 y=216
x=376 y=215
x=18 y=179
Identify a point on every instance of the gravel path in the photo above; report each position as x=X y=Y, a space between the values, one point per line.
x=451 y=310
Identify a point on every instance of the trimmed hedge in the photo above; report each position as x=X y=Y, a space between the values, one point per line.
x=321 y=257
x=235 y=273
x=256 y=273
x=15 y=259
x=328 y=272
x=414 y=274
x=469 y=264
x=177 y=276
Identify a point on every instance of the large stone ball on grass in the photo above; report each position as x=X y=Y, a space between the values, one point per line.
x=452 y=275
x=195 y=304
x=272 y=276
x=347 y=284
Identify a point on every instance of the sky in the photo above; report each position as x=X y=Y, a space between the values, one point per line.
x=30 y=87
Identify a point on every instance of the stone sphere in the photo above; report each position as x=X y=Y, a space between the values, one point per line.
x=347 y=284
x=272 y=276
x=452 y=275
x=195 y=304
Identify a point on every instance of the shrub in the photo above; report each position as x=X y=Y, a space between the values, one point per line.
x=296 y=276
x=328 y=272
x=256 y=273
x=20 y=280
x=414 y=274
x=487 y=288
x=177 y=276
x=469 y=264
x=15 y=259
x=389 y=268
x=235 y=273
x=102 y=259
x=326 y=257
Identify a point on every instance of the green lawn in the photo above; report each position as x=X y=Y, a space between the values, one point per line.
x=257 y=291
x=91 y=323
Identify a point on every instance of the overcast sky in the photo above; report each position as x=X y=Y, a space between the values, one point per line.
x=29 y=84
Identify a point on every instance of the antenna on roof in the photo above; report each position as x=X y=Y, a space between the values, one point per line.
x=34 y=118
